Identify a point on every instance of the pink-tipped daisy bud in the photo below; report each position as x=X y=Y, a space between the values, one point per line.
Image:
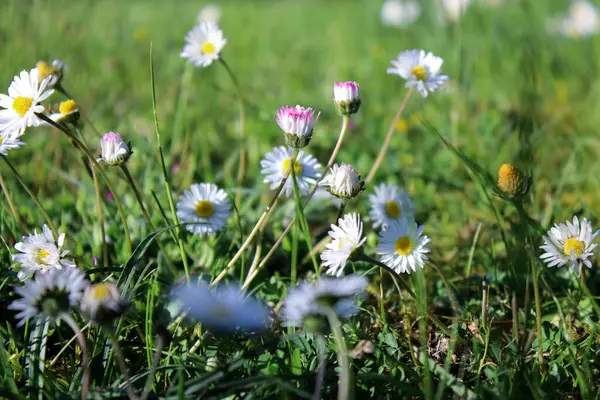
x=102 y=303
x=54 y=70
x=347 y=97
x=343 y=182
x=297 y=124
x=511 y=181
x=115 y=151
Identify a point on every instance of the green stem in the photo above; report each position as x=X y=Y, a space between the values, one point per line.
x=137 y=195
x=341 y=210
x=322 y=367
x=160 y=342
x=122 y=364
x=11 y=204
x=242 y=166
x=85 y=380
x=345 y=391
x=538 y=312
x=31 y=194
x=100 y=217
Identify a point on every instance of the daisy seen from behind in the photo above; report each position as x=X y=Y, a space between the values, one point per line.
x=204 y=44
x=275 y=165
x=343 y=181
x=347 y=238
x=206 y=207
x=570 y=243
x=25 y=94
x=402 y=245
x=102 y=302
x=420 y=69
x=389 y=203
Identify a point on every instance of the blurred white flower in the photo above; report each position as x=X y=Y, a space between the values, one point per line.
x=102 y=302
x=39 y=252
x=582 y=20
x=223 y=308
x=402 y=247
x=9 y=140
x=115 y=151
x=389 y=203
x=54 y=71
x=400 y=13
x=347 y=238
x=343 y=181
x=297 y=124
x=203 y=44
x=205 y=206
x=210 y=12
x=25 y=94
x=421 y=70
x=454 y=9
x=49 y=294
x=276 y=163
x=570 y=243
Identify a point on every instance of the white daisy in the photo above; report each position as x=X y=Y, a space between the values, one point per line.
x=203 y=44
x=402 y=247
x=582 y=20
x=421 y=70
x=297 y=124
x=39 y=252
x=24 y=95
x=569 y=243
x=400 y=13
x=222 y=309
x=8 y=141
x=54 y=71
x=455 y=9
x=276 y=163
x=205 y=206
x=49 y=294
x=102 y=302
x=389 y=203
x=347 y=238
x=115 y=150
x=343 y=181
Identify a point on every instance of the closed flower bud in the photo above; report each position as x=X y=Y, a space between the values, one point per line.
x=347 y=97
x=343 y=182
x=511 y=181
x=115 y=151
x=102 y=302
x=297 y=124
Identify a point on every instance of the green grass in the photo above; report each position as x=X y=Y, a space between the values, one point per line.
x=518 y=95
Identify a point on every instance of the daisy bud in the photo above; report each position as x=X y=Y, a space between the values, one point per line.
x=115 y=151
x=102 y=302
x=347 y=97
x=343 y=182
x=511 y=181
x=297 y=124
x=54 y=70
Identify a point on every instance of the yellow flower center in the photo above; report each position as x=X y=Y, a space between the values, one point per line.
x=419 y=73
x=1 y=139
x=42 y=254
x=208 y=48
x=574 y=245
x=297 y=166
x=204 y=209
x=67 y=106
x=44 y=70
x=22 y=104
x=403 y=246
x=102 y=291
x=392 y=209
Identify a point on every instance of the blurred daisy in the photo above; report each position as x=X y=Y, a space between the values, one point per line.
x=570 y=243
x=343 y=181
x=222 y=309
x=102 y=302
x=114 y=150
x=205 y=206
x=400 y=13
x=54 y=71
x=309 y=301
x=39 y=252
x=25 y=94
x=8 y=141
x=203 y=44
x=210 y=12
x=402 y=247
x=275 y=164
x=49 y=295
x=346 y=239
x=421 y=70
x=297 y=124
x=582 y=20
x=455 y=9
x=389 y=203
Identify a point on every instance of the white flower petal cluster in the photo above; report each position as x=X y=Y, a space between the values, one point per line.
x=205 y=207
x=402 y=245
x=204 y=44
x=275 y=165
x=346 y=239
x=421 y=70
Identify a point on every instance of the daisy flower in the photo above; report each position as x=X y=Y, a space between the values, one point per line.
x=114 y=150
x=39 y=252
x=276 y=163
x=205 y=206
x=54 y=71
x=582 y=20
x=49 y=295
x=346 y=239
x=203 y=44
x=343 y=181
x=102 y=302
x=388 y=204
x=297 y=124
x=421 y=70
x=400 y=13
x=222 y=309
x=402 y=247
x=347 y=97
x=25 y=94
x=8 y=141
x=570 y=243
x=67 y=112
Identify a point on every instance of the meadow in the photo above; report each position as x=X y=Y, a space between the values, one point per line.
x=489 y=162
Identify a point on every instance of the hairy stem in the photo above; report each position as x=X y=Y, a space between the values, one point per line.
x=85 y=380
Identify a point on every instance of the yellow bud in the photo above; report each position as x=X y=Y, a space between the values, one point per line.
x=510 y=180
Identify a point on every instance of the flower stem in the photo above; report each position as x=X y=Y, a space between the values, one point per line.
x=345 y=391
x=137 y=195
x=11 y=204
x=322 y=349
x=100 y=217
x=388 y=137
x=242 y=165
x=85 y=380
x=538 y=312
x=31 y=194
x=160 y=342
x=341 y=210
x=121 y=361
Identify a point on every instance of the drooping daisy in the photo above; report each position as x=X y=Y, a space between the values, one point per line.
x=102 y=302
x=400 y=13
x=223 y=308
x=347 y=238
x=389 y=203
x=25 y=94
x=420 y=69
x=205 y=206
x=54 y=71
x=347 y=97
x=203 y=44
x=68 y=112
x=8 y=141
x=210 y=12
x=402 y=246
x=275 y=164
x=570 y=243
x=114 y=150
x=39 y=252
x=297 y=124
x=49 y=295
x=343 y=181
